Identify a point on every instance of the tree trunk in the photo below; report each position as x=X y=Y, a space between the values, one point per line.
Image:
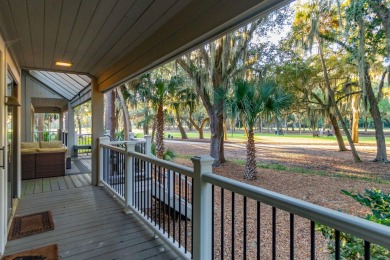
x=261 y=124
x=154 y=126
x=337 y=133
x=179 y=124
x=110 y=113
x=244 y=125
x=250 y=165
x=366 y=124
x=381 y=155
x=355 y=119
x=126 y=116
x=225 y=137
x=160 y=132
x=299 y=123
x=216 y=144
x=355 y=155
x=198 y=128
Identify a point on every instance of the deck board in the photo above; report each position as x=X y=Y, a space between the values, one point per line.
x=30 y=185
x=46 y=185
x=89 y=224
x=62 y=183
x=38 y=186
x=54 y=184
x=69 y=182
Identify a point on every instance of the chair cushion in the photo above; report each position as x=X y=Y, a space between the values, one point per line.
x=52 y=144
x=28 y=151
x=52 y=150
x=29 y=145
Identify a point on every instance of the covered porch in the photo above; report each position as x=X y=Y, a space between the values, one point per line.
x=89 y=224
x=132 y=204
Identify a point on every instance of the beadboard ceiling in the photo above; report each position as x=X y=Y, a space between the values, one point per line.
x=114 y=40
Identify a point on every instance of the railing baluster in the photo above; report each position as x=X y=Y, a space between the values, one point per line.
x=233 y=225
x=222 y=222
x=245 y=225
x=212 y=221
x=155 y=195
x=367 y=254
x=258 y=229
x=159 y=197
x=185 y=213
x=337 y=245
x=273 y=233
x=291 y=236
x=174 y=206
x=169 y=202
x=163 y=216
x=179 y=210
x=144 y=187
x=192 y=221
x=312 y=240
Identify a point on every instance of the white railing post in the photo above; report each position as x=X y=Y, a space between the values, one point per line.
x=102 y=140
x=130 y=147
x=202 y=213
x=148 y=145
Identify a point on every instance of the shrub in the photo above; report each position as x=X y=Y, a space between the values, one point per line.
x=352 y=247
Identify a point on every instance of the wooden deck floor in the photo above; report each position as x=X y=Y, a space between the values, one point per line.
x=89 y=224
x=55 y=183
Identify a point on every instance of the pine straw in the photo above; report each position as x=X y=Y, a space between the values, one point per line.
x=322 y=189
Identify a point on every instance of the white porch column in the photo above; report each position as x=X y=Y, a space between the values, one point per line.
x=97 y=107
x=71 y=130
x=202 y=208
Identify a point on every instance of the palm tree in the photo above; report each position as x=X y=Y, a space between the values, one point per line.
x=248 y=100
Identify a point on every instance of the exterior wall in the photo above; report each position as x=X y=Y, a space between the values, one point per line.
x=6 y=62
x=31 y=88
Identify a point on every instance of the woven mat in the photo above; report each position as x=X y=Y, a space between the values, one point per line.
x=46 y=253
x=30 y=225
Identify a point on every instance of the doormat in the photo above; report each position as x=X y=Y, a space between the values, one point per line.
x=31 y=224
x=46 y=253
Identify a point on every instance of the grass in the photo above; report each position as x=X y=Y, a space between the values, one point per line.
x=240 y=136
x=301 y=170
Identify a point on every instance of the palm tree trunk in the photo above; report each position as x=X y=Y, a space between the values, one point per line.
x=250 y=165
x=355 y=155
x=244 y=125
x=160 y=131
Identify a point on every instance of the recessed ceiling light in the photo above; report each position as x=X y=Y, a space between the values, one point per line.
x=64 y=64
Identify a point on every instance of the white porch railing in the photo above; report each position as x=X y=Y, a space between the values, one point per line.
x=179 y=204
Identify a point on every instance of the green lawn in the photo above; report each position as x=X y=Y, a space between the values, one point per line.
x=267 y=136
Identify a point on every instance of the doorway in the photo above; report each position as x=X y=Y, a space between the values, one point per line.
x=12 y=141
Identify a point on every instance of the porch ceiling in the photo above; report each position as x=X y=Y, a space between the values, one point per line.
x=67 y=85
x=115 y=40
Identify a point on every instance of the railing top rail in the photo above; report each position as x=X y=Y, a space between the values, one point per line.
x=364 y=229
x=123 y=142
x=114 y=148
x=166 y=164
